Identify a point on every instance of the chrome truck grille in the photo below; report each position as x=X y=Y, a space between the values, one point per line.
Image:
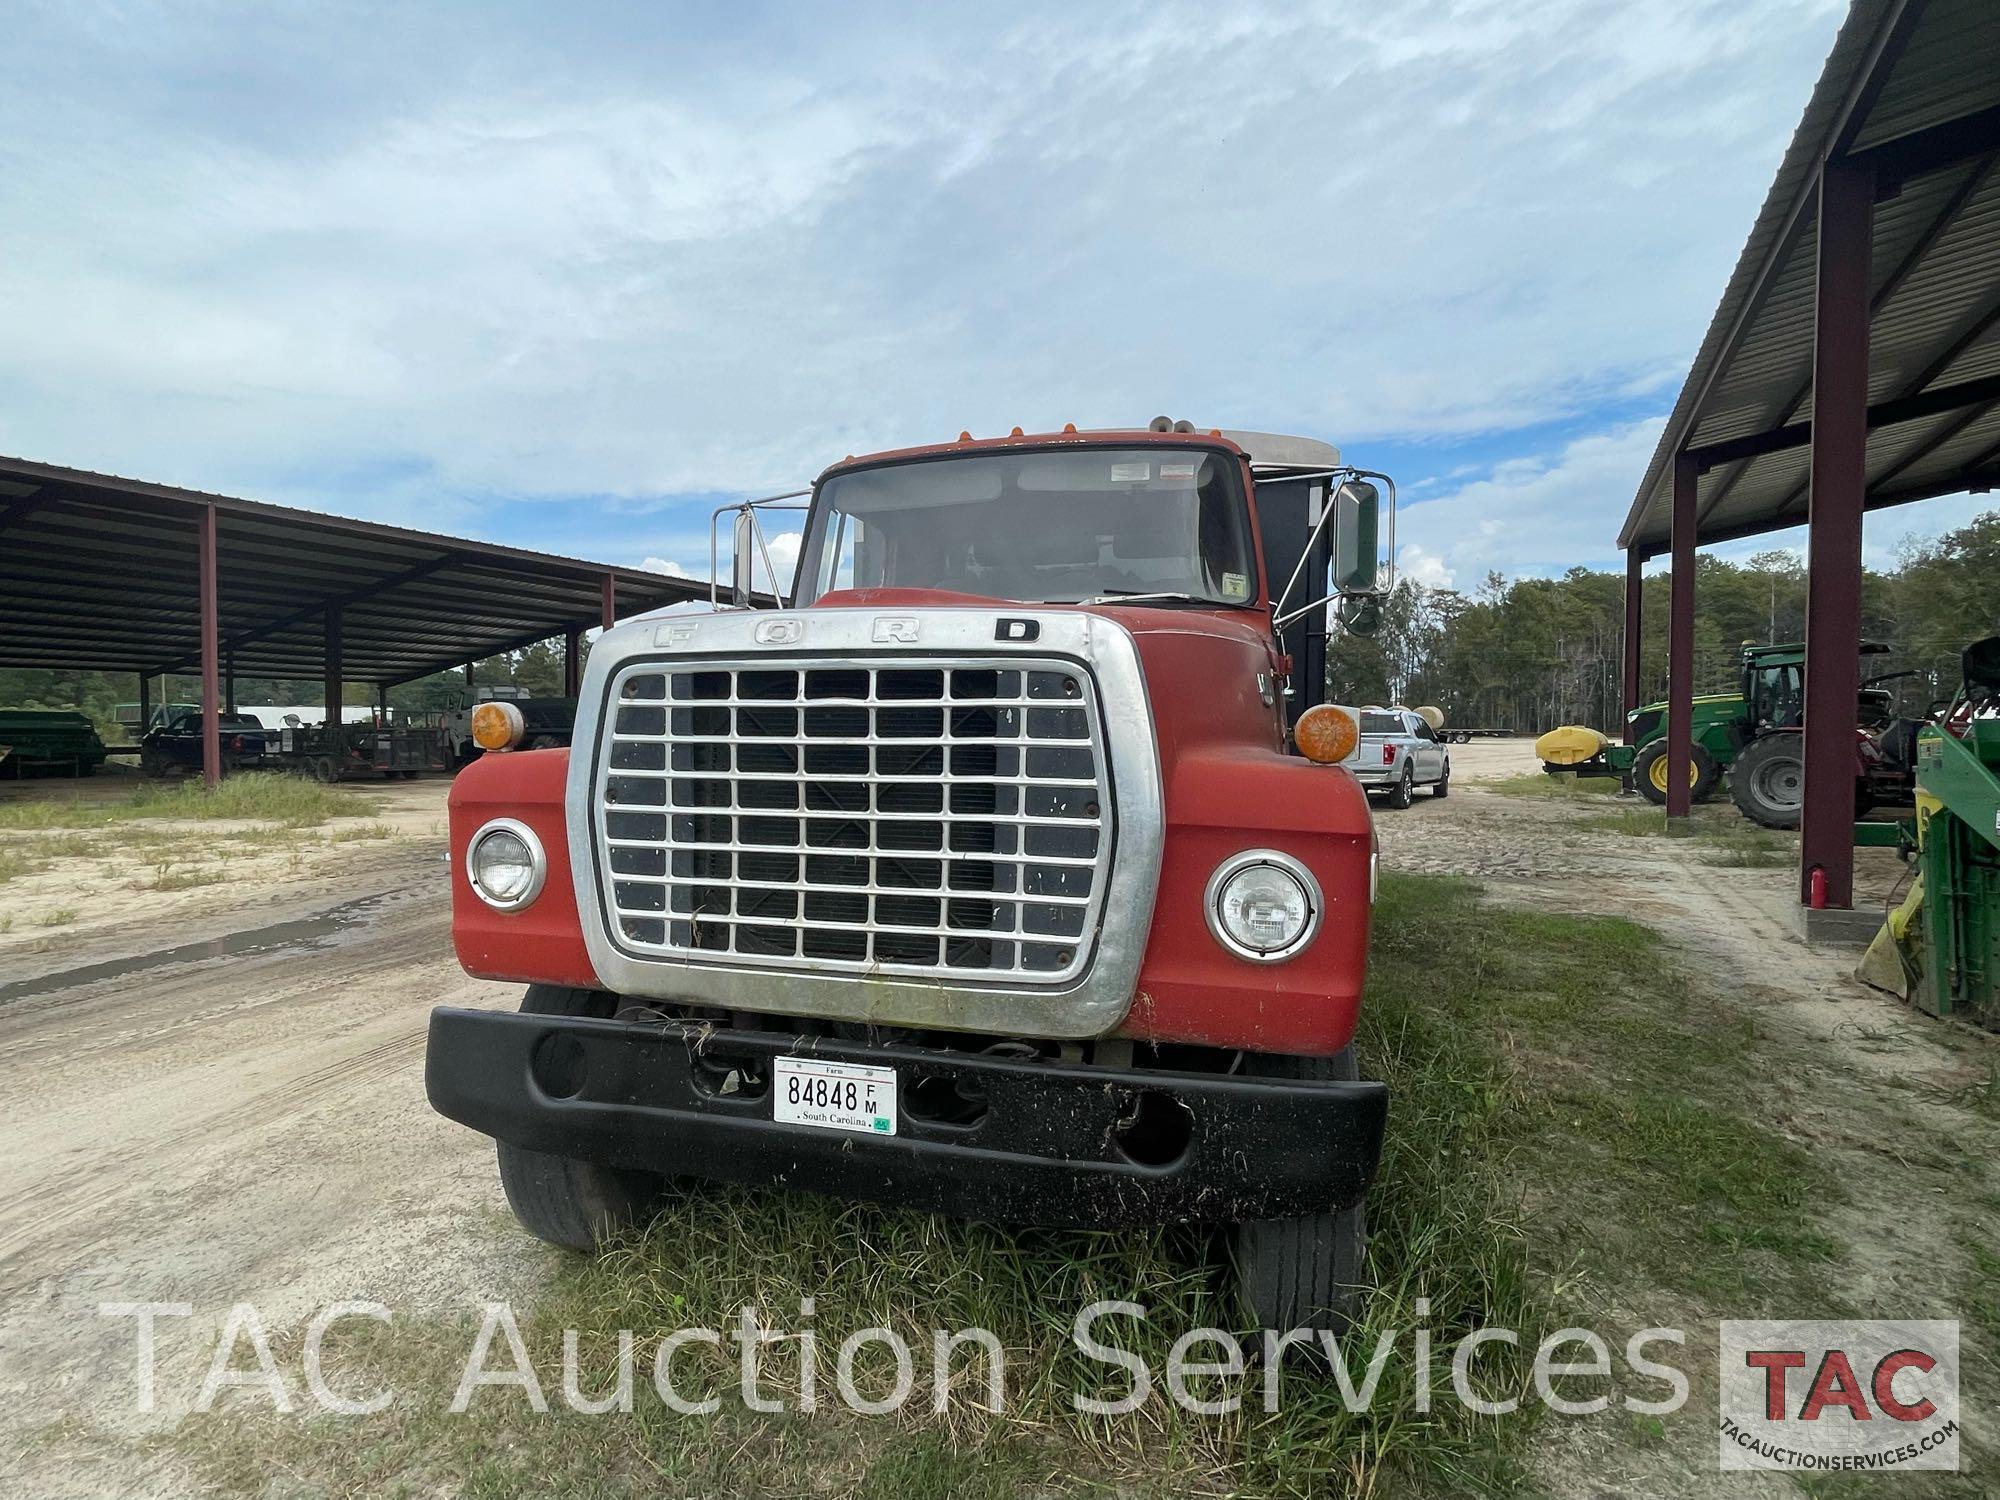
x=949 y=819
x=883 y=816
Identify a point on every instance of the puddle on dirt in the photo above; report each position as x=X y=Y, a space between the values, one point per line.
x=317 y=931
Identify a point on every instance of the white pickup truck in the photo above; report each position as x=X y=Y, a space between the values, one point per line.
x=1398 y=753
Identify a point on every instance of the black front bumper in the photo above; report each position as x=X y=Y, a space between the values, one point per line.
x=1048 y=1149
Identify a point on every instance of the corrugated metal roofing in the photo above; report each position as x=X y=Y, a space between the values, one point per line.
x=99 y=572
x=1897 y=67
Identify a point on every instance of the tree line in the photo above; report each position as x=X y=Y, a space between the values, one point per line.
x=1527 y=654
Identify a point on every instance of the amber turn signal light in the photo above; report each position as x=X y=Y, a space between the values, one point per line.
x=1327 y=734
x=497 y=726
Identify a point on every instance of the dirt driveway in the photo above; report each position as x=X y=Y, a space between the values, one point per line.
x=215 y=1094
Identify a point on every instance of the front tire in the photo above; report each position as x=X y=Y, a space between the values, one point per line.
x=1649 y=773
x=1442 y=786
x=566 y=1200
x=1304 y=1272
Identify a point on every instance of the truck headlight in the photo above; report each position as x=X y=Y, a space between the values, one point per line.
x=1263 y=905
x=506 y=865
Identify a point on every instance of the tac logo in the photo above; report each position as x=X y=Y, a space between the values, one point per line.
x=1839 y=1396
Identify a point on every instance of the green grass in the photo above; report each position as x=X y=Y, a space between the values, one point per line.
x=267 y=797
x=60 y=916
x=1724 y=837
x=168 y=876
x=1541 y=784
x=364 y=833
x=1559 y=1099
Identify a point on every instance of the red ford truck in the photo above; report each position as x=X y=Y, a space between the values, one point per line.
x=1008 y=869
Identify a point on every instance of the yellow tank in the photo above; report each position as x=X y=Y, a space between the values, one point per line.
x=1432 y=716
x=1571 y=745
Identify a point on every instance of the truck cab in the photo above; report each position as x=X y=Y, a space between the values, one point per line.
x=1008 y=868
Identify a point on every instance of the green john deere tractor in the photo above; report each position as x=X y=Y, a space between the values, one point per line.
x=1752 y=736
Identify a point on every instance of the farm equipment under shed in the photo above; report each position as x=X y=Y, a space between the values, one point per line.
x=48 y=741
x=1941 y=946
x=1753 y=737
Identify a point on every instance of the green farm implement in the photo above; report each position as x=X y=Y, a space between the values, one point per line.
x=47 y=741
x=1946 y=933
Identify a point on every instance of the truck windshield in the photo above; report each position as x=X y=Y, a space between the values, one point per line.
x=1039 y=527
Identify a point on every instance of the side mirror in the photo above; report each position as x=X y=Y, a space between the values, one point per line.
x=1357 y=523
x=743 y=567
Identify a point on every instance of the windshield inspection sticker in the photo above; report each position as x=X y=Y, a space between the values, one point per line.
x=1235 y=586
x=1131 y=473
x=1177 y=471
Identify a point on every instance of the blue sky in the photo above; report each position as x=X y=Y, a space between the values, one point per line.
x=566 y=276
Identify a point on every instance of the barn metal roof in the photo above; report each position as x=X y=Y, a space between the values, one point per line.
x=1911 y=87
x=98 y=572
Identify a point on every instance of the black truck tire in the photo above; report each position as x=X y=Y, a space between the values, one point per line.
x=1442 y=786
x=152 y=763
x=1767 y=782
x=1304 y=1272
x=565 y=1200
x=1402 y=796
x=1649 y=773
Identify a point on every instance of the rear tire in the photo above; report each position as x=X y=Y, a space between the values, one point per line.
x=1404 y=794
x=1304 y=1272
x=1767 y=782
x=566 y=1200
x=1649 y=773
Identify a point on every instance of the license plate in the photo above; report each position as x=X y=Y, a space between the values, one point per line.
x=834 y=1096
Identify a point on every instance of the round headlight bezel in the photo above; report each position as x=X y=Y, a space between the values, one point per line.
x=538 y=864
x=1250 y=859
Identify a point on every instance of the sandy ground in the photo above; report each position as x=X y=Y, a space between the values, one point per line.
x=246 y=1121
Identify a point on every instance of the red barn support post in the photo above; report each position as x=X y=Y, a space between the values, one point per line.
x=211 y=665
x=1833 y=545
x=610 y=610
x=1635 y=564
x=1680 y=641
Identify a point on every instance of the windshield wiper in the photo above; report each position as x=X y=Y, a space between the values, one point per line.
x=1133 y=596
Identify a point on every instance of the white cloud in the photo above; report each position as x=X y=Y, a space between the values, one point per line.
x=645 y=259
x=1420 y=566
x=1534 y=516
x=665 y=565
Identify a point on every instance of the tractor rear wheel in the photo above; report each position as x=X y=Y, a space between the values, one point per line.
x=1768 y=780
x=1649 y=773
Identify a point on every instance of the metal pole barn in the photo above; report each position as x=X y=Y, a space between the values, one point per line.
x=1680 y=640
x=211 y=714
x=1838 y=491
